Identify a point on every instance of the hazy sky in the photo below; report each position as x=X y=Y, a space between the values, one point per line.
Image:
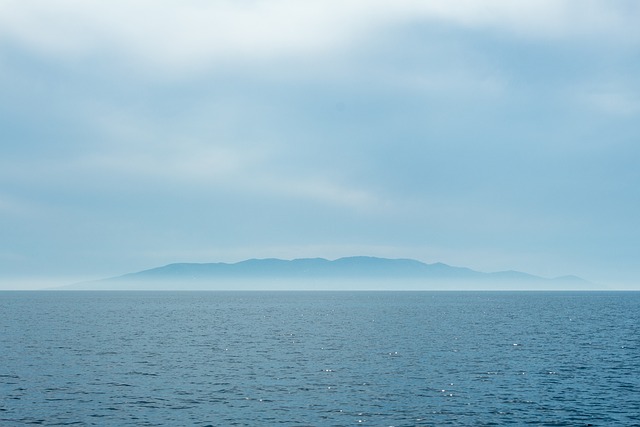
x=492 y=134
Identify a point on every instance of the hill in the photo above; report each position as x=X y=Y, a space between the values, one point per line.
x=351 y=273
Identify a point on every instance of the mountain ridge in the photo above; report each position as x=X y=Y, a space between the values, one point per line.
x=320 y=273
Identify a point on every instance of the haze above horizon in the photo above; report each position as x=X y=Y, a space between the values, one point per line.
x=485 y=134
x=356 y=273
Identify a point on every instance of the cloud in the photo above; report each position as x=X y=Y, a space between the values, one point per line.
x=11 y=206
x=410 y=126
x=614 y=102
x=218 y=170
x=325 y=191
x=175 y=36
x=540 y=19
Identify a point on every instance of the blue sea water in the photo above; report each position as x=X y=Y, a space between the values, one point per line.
x=319 y=358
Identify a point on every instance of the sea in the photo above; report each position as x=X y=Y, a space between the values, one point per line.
x=319 y=358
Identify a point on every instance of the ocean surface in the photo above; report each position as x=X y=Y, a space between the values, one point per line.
x=320 y=358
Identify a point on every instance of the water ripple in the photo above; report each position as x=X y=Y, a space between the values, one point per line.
x=305 y=359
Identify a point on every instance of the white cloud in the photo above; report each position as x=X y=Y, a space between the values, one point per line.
x=538 y=18
x=180 y=35
x=618 y=103
x=467 y=82
x=11 y=206
x=217 y=167
x=208 y=166
x=327 y=191
x=176 y=34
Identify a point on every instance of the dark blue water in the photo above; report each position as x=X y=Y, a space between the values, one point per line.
x=319 y=359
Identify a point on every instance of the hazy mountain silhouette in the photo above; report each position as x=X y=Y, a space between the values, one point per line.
x=358 y=272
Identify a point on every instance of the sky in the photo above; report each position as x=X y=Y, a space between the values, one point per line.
x=492 y=134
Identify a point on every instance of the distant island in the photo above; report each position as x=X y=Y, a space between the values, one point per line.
x=350 y=273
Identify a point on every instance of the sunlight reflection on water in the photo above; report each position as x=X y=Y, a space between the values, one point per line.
x=326 y=358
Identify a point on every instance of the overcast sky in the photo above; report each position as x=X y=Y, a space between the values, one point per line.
x=489 y=134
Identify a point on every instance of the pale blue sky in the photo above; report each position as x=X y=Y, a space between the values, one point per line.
x=488 y=134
